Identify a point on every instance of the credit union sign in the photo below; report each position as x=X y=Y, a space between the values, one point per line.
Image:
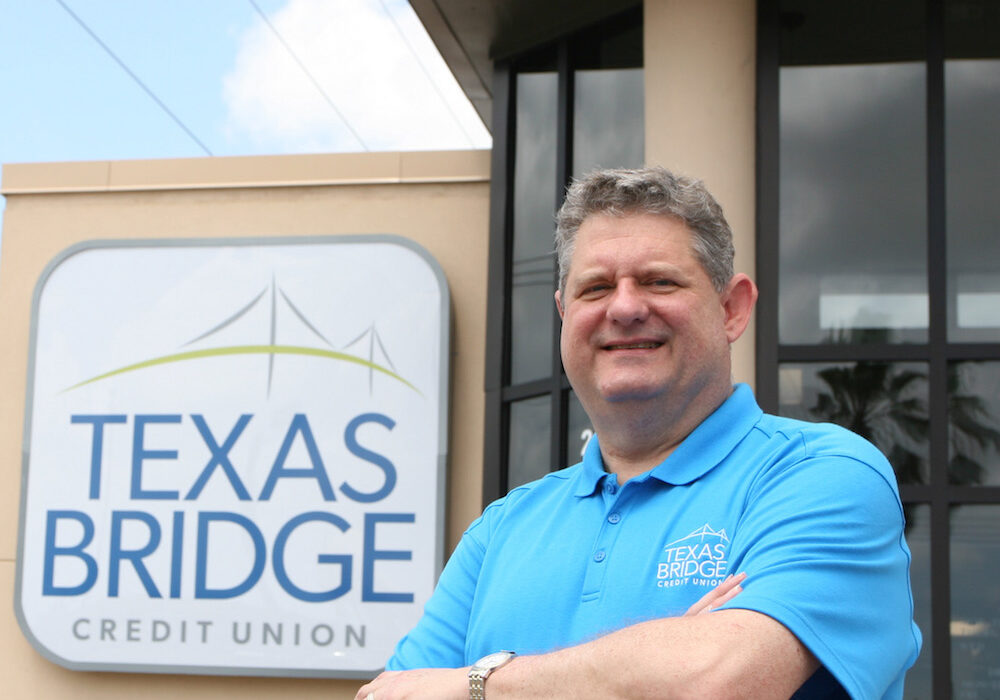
x=234 y=454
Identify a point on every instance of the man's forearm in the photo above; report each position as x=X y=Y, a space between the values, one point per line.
x=735 y=653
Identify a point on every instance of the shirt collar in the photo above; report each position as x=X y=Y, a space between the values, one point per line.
x=591 y=472
x=712 y=441
x=706 y=446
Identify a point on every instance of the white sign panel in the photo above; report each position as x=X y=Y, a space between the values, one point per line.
x=234 y=454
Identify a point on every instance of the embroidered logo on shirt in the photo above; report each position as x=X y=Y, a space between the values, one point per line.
x=699 y=559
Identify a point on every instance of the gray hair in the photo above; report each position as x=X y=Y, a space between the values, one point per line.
x=655 y=190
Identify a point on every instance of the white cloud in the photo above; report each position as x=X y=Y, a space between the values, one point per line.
x=356 y=54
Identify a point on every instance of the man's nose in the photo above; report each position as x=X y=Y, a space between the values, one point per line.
x=628 y=303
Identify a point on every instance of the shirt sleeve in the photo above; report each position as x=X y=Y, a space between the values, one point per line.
x=821 y=540
x=438 y=640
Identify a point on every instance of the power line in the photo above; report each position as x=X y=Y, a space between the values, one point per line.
x=134 y=77
x=309 y=75
x=431 y=80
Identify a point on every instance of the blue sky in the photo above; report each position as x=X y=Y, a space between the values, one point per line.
x=318 y=76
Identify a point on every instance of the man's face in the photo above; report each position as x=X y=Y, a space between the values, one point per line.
x=641 y=318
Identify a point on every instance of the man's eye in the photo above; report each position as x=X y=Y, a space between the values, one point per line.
x=664 y=283
x=595 y=289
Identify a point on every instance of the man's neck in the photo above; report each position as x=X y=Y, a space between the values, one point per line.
x=634 y=439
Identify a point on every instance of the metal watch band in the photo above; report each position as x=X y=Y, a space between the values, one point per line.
x=477 y=687
x=482 y=669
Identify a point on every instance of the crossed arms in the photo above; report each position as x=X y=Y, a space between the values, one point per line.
x=728 y=653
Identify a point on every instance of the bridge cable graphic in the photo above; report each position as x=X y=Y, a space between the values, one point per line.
x=272 y=348
x=371 y=332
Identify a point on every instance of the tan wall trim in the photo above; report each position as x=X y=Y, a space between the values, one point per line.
x=247 y=171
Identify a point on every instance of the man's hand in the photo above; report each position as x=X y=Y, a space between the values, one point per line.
x=419 y=684
x=723 y=593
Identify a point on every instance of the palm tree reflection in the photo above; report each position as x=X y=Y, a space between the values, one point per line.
x=886 y=403
x=880 y=402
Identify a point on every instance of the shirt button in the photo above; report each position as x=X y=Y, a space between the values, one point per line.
x=610 y=488
x=614 y=518
x=599 y=556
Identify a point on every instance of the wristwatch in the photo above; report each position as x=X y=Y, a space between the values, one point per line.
x=482 y=669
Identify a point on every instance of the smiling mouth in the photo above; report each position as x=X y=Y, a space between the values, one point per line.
x=633 y=346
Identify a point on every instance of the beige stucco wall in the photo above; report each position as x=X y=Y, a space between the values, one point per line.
x=700 y=64
x=440 y=200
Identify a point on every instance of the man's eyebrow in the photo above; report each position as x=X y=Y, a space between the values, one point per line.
x=600 y=272
x=665 y=268
x=591 y=275
x=587 y=278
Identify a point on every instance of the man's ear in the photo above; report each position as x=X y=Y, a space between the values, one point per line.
x=738 y=302
x=559 y=306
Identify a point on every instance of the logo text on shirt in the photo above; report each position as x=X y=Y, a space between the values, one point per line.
x=698 y=559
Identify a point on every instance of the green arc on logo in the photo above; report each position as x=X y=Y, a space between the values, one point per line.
x=246 y=350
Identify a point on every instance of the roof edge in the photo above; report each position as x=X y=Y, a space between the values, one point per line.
x=247 y=172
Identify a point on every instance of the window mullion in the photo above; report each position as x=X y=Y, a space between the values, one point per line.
x=767 y=205
x=564 y=151
x=938 y=346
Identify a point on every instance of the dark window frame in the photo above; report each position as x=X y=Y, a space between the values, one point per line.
x=500 y=392
x=937 y=352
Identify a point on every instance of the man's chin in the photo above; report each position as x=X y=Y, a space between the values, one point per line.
x=631 y=394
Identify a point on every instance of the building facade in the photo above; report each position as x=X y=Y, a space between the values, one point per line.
x=853 y=148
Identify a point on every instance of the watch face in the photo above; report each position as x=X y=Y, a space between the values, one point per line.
x=493 y=660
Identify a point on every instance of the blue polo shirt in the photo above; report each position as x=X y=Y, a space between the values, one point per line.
x=809 y=511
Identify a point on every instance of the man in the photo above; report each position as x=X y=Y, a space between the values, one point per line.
x=585 y=573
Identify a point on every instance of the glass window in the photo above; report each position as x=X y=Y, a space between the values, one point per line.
x=852 y=182
x=974 y=423
x=972 y=156
x=608 y=97
x=975 y=601
x=533 y=267
x=608 y=125
x=578 y=431
x=529 y=439
x=885 y=402
x=853 y=203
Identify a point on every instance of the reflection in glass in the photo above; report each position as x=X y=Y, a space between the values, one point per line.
x=533 y=274
x=578 y=431
x=530 y=436
x=608 y=124
x=974 y=423
x=975 y=601
x=852 y=193
x=918 y=684
x=972 y=143
x=884 y=402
